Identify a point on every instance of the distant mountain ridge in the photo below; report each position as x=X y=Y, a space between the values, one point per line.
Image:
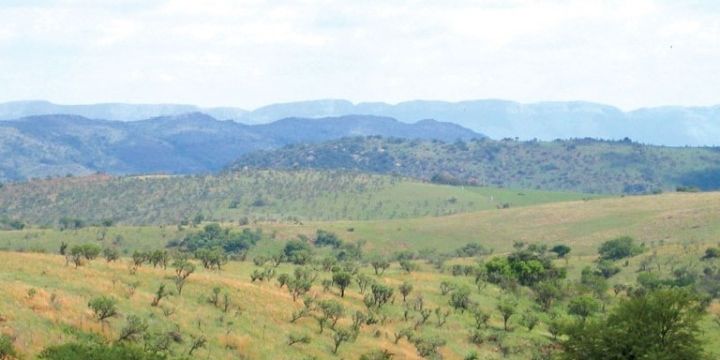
x=53 y=145
x=111 y=111
x=668 y=125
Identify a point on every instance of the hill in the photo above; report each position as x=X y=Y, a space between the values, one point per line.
x=46 y=299
x=56 y=145
x=254 y=195
x=583 y=165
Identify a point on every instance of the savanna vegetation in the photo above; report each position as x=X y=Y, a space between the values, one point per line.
x=558 y=280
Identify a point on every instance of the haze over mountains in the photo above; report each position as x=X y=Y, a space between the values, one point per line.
x=55 y=145
x=671 y=125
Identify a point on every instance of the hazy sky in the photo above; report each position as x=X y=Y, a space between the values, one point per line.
x=250 y=53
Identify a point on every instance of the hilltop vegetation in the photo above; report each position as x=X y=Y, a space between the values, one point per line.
x=582 y=165
x=56 y=145
x=246 y=196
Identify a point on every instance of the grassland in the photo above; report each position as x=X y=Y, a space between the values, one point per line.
x=680 y=218
x=676 y=229
x=290 y=196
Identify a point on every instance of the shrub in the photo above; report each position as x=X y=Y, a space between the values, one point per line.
x=620 y=248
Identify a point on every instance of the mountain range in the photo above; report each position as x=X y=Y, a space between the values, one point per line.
x=669 y=125
x=55 y=145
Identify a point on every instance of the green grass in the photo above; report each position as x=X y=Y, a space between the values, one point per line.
x=257 y=195
x=676 y=229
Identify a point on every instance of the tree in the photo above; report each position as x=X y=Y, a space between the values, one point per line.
x=661 y=324
x=159 y=295
x=408 y=265
x=460 y=299
x=363 y=282
x=619 y=248
x=379 y=264
x=405 y=289
x=297 y=252
x=183 y=269
x=295 y=338
x=111 y=254
x=134 y=329
x=197 y=342
x=379 y=296
x=342 y=280
x=340 y=336
x=546 y=293
x=583 y=306
x=507 y=308
x=330 y=311
x=103 y=307
x=711 y=253
x=80 y=253
x=561 y=250
x=325 y=238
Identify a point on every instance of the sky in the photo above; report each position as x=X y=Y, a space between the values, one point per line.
x=249 y=53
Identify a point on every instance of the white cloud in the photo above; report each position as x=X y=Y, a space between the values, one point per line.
x=251 y=52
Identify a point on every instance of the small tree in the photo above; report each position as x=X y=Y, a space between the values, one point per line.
x=103 y=307
x=159 y=295
x=363 y=282
x=330 y=312
x=507 y=309
x=408 y=265
x=405 y=289
x=619 y=248
x=197 y=342
x=295 y=338
x=134 y=329
x=379 y=264
x=561 y=250
x=342 y=280
x=183 y=270
x=583 y=306
x=460 y=299
x=340 y=336
x=111 y=254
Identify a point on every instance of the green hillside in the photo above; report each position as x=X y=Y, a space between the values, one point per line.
x=584 y=165
x=247 y=196
x=46 y=297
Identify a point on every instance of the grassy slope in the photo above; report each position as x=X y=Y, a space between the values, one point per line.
x=671 y=218
x=677 y=227
x=305 y=195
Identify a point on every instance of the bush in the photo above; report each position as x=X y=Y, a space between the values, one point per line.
x=620 y=248
x=7 y=349
x=712 y=253
x=80 y=351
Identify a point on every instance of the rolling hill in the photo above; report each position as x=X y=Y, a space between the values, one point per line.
x=56 y=145
x=46 y=299
x=583 y=165
x=293 y=197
